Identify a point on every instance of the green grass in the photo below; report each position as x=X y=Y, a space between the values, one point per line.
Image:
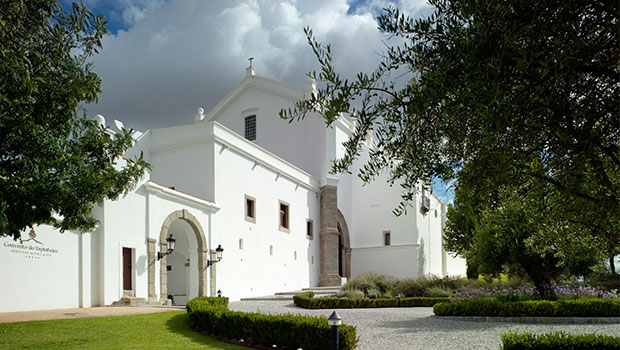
x=166 y=330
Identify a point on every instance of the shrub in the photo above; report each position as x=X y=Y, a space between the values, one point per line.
x=307 y=301
x=289 y=331
x=607 y=282
x=213 y=301
x=609 y=307
x=437 y=292
x=558 y=340
x=410 y=288
x=374 y=293
x=371 y=280
x=352 y=293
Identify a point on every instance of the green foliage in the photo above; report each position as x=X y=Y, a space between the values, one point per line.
x=606 y=281
x=375 y=285
x=609 y=307
x=520 y=229
x=437 y=292
x=307 y=301
x=211 y=301
x=371 y=281
x=54 y=165
x=510 y=96
x=557 y=340
x=286 y=330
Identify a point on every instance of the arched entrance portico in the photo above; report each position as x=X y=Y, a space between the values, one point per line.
x=344 y=247
x=334 y=242
x=198 y=241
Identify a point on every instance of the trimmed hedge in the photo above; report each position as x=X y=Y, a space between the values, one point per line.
x=213 y=301
x=307 y=301
x=558 y=340
x=285 y=331
x=607 y=307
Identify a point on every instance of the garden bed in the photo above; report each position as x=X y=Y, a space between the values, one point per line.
x=492 y=307
x=210 y=315
x=558 y=340
x=307 y=301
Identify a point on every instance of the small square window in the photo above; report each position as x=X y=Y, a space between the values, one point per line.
x=284 y=216
x=250 y=209
x=309 y=229
x=250 y=127
x=387 y=238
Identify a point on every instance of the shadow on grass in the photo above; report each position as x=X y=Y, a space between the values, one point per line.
x=179 y=324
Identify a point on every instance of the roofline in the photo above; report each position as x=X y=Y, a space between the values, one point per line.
x=155 y=188
x=281 y=89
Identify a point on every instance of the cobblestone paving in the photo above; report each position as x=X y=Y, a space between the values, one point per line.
x=414 y=328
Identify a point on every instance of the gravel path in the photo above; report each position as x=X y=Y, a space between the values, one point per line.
x=414 y=328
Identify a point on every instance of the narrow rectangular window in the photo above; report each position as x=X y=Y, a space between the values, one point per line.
x=386 y=238
x=309 y=229
x=284 y=216
x=250 y=209
x=250 y=127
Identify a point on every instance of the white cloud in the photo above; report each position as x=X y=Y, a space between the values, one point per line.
x=183 y=54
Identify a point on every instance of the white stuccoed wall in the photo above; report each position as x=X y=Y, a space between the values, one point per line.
x=252 y=271
x=33 y=279
x=300 y=142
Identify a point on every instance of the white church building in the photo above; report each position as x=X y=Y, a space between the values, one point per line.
x=242 y=179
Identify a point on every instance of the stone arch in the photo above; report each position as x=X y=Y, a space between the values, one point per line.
x=345 y=250
x=202 y=251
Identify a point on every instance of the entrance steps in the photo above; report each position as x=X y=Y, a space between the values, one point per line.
x=130 y=301
x=319 y=292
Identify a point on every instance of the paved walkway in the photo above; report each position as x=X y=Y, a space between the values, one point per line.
x=414 y=328
x=24 y=316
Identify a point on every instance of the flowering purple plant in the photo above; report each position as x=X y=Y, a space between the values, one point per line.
x=565 y=291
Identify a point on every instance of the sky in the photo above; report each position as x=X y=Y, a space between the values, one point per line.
x=165 y=58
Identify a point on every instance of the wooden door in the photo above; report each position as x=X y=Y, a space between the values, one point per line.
x=127 y=269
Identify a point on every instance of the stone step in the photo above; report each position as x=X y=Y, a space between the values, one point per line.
x=336 y=288
x=130 y=301
x=319 y=292
x=316 y=292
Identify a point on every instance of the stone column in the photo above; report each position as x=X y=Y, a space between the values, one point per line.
x=151 y=261
x=202 y=272
x=163 y=276
x=328 y=237
x=213 y=273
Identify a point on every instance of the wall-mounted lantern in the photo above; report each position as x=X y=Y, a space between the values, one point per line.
x=218 y=255
x=170 y=242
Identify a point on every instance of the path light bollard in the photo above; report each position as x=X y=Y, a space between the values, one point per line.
x=334 y=320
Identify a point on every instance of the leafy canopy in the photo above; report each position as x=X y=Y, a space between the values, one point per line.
x=54 y=165
x=518 y=91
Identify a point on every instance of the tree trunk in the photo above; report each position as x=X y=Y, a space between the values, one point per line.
x=540 y=277
x=612 y=265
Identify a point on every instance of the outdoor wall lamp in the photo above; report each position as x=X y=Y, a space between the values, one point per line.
x=170 y=242
x=218 y=256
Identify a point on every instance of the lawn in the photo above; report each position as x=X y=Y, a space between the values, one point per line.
x=166 y=330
